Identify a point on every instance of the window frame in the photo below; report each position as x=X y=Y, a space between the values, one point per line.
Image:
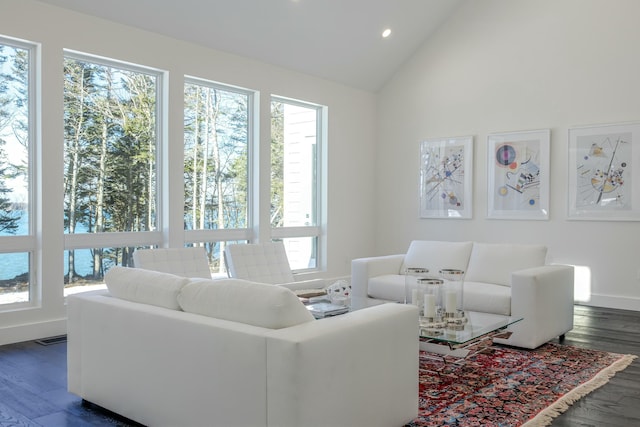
x=28 y=243
x=317 y=231
x=230 y=234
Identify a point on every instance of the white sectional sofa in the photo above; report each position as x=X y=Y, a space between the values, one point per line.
x=503 y=279
x=165 y=350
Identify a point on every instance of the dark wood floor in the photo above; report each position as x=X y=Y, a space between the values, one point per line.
x=617 y=403
x=33 y=390
x=33 y=380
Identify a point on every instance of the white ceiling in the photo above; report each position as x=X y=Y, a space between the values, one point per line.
x=339 y=40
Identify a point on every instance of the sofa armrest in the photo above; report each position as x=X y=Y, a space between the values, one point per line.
x=543 y=297
x=359 y=368
x=362 y=269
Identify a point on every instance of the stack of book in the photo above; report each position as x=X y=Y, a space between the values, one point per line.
x=324 y=309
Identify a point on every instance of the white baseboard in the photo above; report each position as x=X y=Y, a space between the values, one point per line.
x=611 y=301
x=32 y=331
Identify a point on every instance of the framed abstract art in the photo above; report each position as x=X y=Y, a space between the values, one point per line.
x=604 y=172
x=445 y=178
x=518 y=175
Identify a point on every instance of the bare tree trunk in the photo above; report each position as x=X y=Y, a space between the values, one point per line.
x=99 y=228
x=218 y=181
x=150 y=189
x=209 y=124
x=196 y=144
x=73 y=184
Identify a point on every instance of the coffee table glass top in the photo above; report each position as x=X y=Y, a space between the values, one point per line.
x=477 y=326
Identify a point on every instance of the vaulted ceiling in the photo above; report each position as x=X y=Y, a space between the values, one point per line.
x=338 y=40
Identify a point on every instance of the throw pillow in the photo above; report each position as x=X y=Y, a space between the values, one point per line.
x=145 y=286
x=257 y=304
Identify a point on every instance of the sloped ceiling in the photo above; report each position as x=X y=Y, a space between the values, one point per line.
x=338 y=40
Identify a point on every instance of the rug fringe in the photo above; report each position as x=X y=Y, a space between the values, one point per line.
x=546 y=416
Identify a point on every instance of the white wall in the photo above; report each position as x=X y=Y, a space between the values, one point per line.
x=512 y=65
x=350 y=141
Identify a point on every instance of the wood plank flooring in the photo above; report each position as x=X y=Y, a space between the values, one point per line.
x=33 y=380
x=617 y=403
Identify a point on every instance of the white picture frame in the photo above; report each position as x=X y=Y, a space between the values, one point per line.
x=446 y=172
x=604 y=172
x=518 y=175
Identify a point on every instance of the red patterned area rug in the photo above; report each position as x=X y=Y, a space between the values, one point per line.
x=511 y=387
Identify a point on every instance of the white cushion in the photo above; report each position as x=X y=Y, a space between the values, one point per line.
x=145 y=286
x=246 y=302
x=487 y=298
x=435 y=255
x=494 y=262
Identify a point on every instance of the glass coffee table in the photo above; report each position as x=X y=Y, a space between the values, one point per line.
x=472 y=337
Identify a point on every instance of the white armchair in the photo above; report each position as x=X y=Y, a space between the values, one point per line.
x=185 y=262
x=265 y=263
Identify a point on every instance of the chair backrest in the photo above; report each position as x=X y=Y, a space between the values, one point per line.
x=186 y=262
x=259 y=262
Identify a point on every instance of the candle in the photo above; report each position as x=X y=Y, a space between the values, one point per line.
x=451 y=302
x=429 y=305
x=414 y=297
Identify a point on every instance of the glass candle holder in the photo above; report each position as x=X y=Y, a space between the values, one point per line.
x=453 y=291
x=411 y=276
x=430 y=290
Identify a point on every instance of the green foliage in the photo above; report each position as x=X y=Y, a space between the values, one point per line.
x=8 y=216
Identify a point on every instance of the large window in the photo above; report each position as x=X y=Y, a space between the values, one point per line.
x=296 y=135
x=17 y=241
x=216 y=166
x=110 y=165
x=112 y=201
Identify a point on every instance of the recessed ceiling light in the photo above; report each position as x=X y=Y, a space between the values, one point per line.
x=386 y=33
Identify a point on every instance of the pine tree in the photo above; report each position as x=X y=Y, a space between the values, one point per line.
x=9 y=218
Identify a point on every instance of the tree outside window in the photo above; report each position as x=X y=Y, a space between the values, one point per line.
x=110 y=141
x=15 y=207
x=216 y=147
